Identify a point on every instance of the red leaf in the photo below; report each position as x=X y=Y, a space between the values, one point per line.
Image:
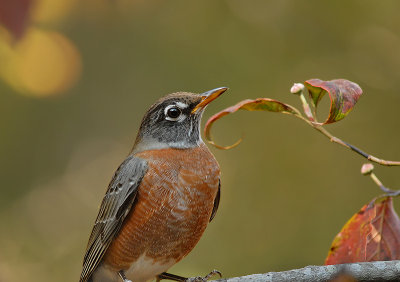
x=260 y=104
x=372 y=234
x=343 y=94
x=14 y=15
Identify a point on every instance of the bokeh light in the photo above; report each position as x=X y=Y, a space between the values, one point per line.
x=48 y=11
x=42 y=63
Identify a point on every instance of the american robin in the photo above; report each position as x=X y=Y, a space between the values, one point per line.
x=161 y=198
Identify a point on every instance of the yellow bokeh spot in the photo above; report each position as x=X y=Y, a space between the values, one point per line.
x=41 y=64
x=46 y=11
x=7 y=58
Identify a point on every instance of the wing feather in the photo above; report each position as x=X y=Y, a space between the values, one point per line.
x=116 y=204
x=216 y=201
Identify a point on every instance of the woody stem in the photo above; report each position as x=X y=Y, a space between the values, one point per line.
x=312 y=121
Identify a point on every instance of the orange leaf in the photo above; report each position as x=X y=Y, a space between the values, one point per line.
x=372 y=234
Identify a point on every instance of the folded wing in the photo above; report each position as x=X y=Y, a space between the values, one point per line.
x=116 y=204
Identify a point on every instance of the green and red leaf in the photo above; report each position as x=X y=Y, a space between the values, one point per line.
x=260 y=104
x=343 y=94
x=372 y=234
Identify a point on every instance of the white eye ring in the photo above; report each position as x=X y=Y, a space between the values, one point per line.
x=169 y=114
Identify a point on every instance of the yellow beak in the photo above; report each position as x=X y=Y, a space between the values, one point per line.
x=208 y=97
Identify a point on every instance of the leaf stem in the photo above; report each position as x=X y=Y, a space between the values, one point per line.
x=367 y=169
x=388 y=192
x=307 y=109
x=318 y=126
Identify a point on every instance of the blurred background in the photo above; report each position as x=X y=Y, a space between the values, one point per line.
x=77 y=76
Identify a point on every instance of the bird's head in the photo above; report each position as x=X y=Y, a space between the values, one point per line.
x=174 y=121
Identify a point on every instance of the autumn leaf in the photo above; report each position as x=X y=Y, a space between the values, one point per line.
x=372 y=234
x=343 y=94
x=260 y=104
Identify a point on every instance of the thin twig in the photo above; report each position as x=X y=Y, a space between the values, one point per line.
x=311 y=121
x=367 y=169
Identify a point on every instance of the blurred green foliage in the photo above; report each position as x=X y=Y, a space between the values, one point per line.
x=286 y=191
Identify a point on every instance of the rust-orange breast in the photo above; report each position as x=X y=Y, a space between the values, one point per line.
x=173 y=207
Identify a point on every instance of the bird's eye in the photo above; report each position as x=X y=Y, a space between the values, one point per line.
x=173 y=113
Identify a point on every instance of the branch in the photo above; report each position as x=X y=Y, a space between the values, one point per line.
x=298 y=89
x=367 y=169
x=363 y=271
x=353 y=148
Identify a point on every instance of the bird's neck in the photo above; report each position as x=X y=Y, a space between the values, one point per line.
x=142 y=144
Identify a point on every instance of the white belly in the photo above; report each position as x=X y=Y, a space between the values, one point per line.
x=142 y=270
